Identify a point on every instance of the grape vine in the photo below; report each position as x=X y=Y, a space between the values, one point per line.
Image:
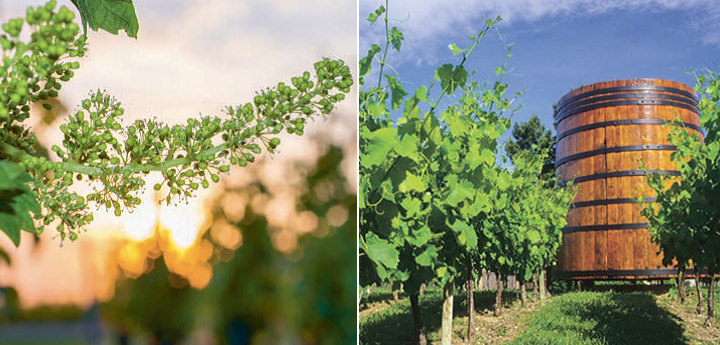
x=434 y=204
x=115 y=159
x=685 y=222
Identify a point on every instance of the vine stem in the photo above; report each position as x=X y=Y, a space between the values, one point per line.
x=21 y=155
x=437 y=101
x=387 y=45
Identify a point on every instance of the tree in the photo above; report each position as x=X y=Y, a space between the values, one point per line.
x=532 y=136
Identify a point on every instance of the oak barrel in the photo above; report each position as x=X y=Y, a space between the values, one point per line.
x=604 y=131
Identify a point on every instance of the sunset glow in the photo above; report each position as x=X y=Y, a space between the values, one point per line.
x=138 y=225
x=183 y=223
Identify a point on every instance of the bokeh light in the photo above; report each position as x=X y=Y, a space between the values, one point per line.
x=183 y=223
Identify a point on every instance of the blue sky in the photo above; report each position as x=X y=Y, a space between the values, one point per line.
x=559 y=44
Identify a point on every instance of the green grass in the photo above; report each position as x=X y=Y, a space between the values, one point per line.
x=394 y=324
x=591 y=318
x=611 y=314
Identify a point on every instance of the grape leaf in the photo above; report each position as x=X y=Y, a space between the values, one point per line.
x=426 y=258
x=373 y=16
x=504 y=180
x=376 y=109
x=465 y=234
x=109 y=15
x=533 y=236
x=411 y=183
x=459 y=190
x=481 y=204
x=411 y=205
x=397 y=92
x=366 y=62
x=381 y=251
x=16 y=201
x=487 y=156
x=420 y=237
x=451 y=78
x=407 y=146
x=381 y=142
x=396 y=38
x=454 y=48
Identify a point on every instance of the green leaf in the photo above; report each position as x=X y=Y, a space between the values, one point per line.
x=528 y=273
x=397 y=92
x=376 y=109
x=473 y=159
x=459 y=190
x=373 y=16
x=13 y=175
x=420 y=237
x=11 y=225
x=487 y=156
x=366 y=62
x=16 y=201
x=480 y=204
x=109 y=15
x=454 y=49
x=427 y=257
x=504 y=180
x=502 y=201
x=411 y=206
x=713 y=150
x=458 y=125
x=465 y=234
x=533 y=236
x=412 y=183
x=396 y=38
x=380 y=144
x=381 y=251
x=451 y=78
x=407 y=146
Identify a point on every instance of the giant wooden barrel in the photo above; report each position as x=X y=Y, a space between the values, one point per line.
x=604 y=131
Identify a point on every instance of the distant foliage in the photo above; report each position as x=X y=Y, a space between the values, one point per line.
x=534 y=137
x=257 y=293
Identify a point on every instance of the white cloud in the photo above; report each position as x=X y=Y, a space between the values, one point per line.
x=425 y=21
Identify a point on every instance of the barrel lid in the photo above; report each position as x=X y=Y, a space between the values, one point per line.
x=627 y=85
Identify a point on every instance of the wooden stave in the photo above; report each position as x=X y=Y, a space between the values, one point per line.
x=636 y=250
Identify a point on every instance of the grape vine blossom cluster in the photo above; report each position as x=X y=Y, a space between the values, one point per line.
x=97 y=147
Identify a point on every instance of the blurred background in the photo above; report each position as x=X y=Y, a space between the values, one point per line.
x=267 y=256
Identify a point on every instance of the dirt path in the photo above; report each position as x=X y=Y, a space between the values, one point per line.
x=499 y=330
x=694 y=324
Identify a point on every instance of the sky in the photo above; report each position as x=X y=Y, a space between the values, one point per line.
x=558 y=44
x=190 y=58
